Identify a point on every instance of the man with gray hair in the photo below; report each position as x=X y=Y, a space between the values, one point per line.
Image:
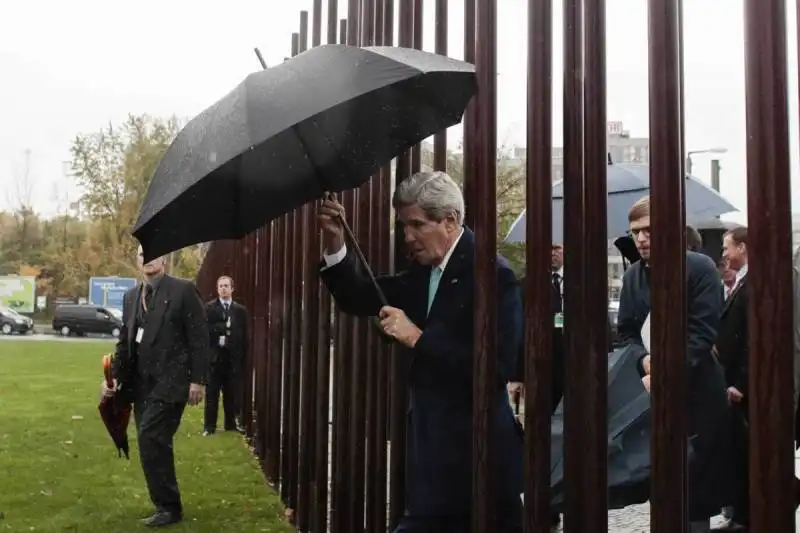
x=430 y=314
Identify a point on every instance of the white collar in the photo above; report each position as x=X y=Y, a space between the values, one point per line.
x=560 y=272
x=223 y=302
x=441 y=266
x=741 y=273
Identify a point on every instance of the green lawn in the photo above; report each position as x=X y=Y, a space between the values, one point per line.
x=59 y=471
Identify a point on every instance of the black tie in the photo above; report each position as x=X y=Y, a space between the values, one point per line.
x=557 y=291
x=148 y=292
x=226 y=304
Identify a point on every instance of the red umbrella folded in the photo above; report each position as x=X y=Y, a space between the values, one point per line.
x=115 y=413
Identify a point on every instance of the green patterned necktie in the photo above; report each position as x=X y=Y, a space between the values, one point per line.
x=433 y=284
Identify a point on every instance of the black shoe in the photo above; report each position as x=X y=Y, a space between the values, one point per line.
x=162 y=518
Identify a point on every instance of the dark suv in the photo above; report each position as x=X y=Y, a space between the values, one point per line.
x=71 y=319
x=13 y=322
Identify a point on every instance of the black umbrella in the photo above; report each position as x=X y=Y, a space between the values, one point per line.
x=629 y=433
x=115 y=412
x=325 y=120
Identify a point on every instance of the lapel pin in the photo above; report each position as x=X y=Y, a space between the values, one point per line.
x=454 y=280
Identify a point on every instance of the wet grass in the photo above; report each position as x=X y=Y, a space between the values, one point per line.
x=59 y=471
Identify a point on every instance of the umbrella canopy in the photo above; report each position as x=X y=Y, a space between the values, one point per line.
x=627 y=183
x=325 y=120
x=629 y=425
x=115 y=413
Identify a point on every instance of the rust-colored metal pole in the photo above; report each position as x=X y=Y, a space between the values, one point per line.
x=246 y=367
x=341 y=361
x=295 y=303
x=469 y=121
x=484 y=367
x=342 y=504
x=262 y=322
x=772 y=492
x=576 y=376
x=333 y=18
x=316 y=23
x=419 y=19
x=416 y=150
x=288 y=444
x=308 y=245
x=669 y=395
x=399 y=373
x=385 y=351
x=538 y=236
x=375 y=509
x=276 y=327
x=592 y=371
x=440 y=139
x=323 y=370
x=360 y=214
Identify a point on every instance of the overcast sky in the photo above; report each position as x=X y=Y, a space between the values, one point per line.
x=73 y=67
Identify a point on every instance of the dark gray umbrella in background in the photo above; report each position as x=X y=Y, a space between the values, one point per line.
x=629 y=435
x=626 y=184
x=326 y=120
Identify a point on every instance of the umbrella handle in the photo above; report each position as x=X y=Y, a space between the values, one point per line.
x=357 y=248
x=107 y=371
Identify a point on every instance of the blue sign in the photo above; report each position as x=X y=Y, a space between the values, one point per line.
x=108 y=292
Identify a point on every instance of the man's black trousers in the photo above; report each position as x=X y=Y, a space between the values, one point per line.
x=224 y=379
x=156 y=424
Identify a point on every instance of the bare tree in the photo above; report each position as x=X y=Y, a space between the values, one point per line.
x=22 y=191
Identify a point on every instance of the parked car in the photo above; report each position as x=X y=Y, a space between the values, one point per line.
x=70 y=319
x=13 y=322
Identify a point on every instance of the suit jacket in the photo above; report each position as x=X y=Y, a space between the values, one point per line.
x=439 y=438
x=175 y=340
x=732 y=338
x=236 y=342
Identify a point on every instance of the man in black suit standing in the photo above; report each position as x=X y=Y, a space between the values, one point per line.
x=515 y=387
x=731 y=347
x=160 y=365
x=227 y=327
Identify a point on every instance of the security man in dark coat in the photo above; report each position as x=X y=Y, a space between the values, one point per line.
x=227 y=326
x=160 y=365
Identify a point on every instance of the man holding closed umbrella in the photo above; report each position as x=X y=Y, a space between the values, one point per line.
x=160 y=365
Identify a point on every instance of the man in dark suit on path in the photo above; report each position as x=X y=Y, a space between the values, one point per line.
x=731 y=347
x=431 y=315
x=227 y=327
x=160 y=365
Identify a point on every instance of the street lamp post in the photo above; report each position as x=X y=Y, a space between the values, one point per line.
x=718 y=150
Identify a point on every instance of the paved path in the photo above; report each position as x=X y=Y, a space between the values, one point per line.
x=636 y=518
